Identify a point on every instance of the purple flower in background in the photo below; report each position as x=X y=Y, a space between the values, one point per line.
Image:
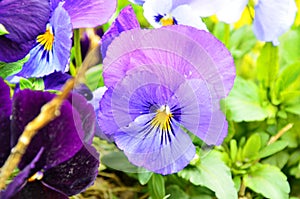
x=172 y=12
x=54 y=166
x=52 y=50
x=125 y=21
x=20 y=38
x=272 y=17
x=162 y=82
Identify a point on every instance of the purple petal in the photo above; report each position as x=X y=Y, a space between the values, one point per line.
x=33 y=13
x=75 y=175
x=156 y=150
x=44 y=62
x=273 y=18
x=87 y=116
x=5 y=112
x=89 y=13
x=125 y=21
x=55 y=137
x=191 y=52
x=37 y=190
x=19 y=181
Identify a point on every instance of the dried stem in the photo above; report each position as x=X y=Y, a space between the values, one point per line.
x=280 y=133
x=48 y=113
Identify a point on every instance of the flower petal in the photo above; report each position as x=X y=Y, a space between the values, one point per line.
x=33 y=13
x=139 y=2
x=19 y=181
x=125 y=21
x=273 y=18
x=55 y=137
x=74 y=175
x=43 y=62
x=5 y=112
x=231 y=10
x=89 y=13
x=191 y=52
x=206 y=8
x=155 y=149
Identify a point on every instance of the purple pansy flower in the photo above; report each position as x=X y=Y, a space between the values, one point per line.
x=125 y=21
x=20 y=39
x=52 y=50
x=160 y=84
x=53 y=163
x=272 y=17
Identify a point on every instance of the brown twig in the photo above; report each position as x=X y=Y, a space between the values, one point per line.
x=48 y=113
x=280 y=133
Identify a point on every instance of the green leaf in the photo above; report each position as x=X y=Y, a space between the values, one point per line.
x=175 y=192
x=94 y=77
x=233 y=150
x=212 y=173
x=244 y=103
x=273 y=148
x=118 y=161
x=268 y=65
x=144 y=176
x=8 y=69
x=156 y=186
x=3 y=30
x=32 y=83
x=279 y=159
x=252 y=147
x=269 y=181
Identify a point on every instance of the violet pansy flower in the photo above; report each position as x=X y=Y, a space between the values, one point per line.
x=52 y=50
x=161 y=83
x=54 y=164
x=20 y=39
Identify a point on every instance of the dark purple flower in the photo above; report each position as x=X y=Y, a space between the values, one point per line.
x=24 y=20
x=162 y=82
x=125 y=21
x=60 y=160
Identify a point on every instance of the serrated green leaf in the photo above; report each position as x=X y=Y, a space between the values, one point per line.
x=244 y=102
x=8 y=69
x=3 y=30
x=213 y=174
x=144 y=176
x=273 y=148
x=252 y=147
x=156 y=186
x=269 y=181
x=279 y=159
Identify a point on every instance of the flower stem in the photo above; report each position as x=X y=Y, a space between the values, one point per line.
x=226 y=35
x=78 y=58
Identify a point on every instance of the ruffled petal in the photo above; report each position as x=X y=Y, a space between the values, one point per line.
x=231 y=10
x=125 y=21
x=5 y=112
x=33 y=13
x=273 y=18
x=90 y=13
x=206 y=8
x=157 y=150
x=191 y=52
x=55 y=137
x=44 y=61
x=75 y=175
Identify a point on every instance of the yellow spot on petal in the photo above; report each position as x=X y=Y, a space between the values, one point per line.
x=37 y=176
x=162 y=118
x=167 y=20
x=46 y=39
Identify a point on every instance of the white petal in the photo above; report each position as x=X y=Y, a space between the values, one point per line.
x=231 y=11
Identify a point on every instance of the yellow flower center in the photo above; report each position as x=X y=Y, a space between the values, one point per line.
x=46 y=39
x=162 y=118
x=167 y=20
x=37 y=176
